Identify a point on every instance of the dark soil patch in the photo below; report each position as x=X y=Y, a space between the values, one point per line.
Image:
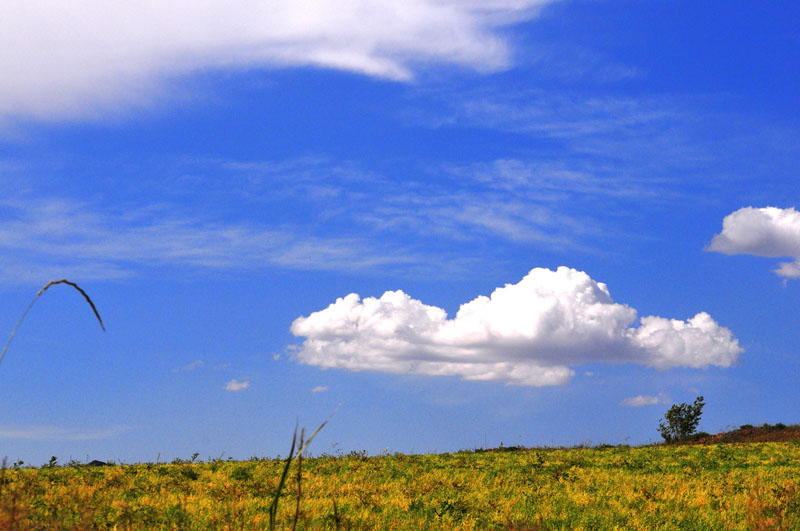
x=744 y=434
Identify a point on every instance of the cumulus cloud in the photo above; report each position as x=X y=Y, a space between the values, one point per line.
x=767 y=231
x=72 y=58
x=645 y=400
x=236 y=385
x=529 y=333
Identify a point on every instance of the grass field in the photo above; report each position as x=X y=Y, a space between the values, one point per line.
x=736 y=485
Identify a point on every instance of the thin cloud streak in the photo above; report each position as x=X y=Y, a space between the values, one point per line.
x=565 y=117
x=52 y=433
x=196 y=364
x=59 y=236
x=235 y=385
x=650 y=142
x=511 y=200
x=506 y=201
x=342 y=218
x=645 y=400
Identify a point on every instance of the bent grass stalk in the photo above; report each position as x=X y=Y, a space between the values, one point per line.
x=273 y=508
x=39 y=294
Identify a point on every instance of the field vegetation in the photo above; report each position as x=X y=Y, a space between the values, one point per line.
x=705 y=485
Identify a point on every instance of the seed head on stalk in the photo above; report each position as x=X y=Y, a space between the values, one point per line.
x=39 y=294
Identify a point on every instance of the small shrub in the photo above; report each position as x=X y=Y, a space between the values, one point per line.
x=357 y=454
x=682 y=420
x=242 y=474
x=189 y=473
x=698 y=436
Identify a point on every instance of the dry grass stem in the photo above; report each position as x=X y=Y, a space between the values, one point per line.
x=39 y=294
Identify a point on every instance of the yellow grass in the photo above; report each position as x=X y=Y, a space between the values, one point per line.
x=742 y=486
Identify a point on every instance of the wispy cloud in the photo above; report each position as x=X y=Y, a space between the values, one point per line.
x=343 y=216
x=564 y=116
x=573 y=64
x=354 y=219
x=543 y=203
x=236 y=385
x=319 y=389
x=582 y=117
x=324 y=215
x=52 y=433
x=39 y=239
x=89 y=56
x=645 y=400
x=196 y=364
x=653 y=142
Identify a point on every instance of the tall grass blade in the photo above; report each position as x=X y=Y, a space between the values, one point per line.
x=39 y=294
x=273 y=508
x=299 y=481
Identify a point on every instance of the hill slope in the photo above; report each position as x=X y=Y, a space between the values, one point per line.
x=747 y=433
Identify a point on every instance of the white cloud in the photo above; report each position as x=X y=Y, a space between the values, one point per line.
x=65 y=59
x=697 y=342
x=236 y=385
x=196 y=364
x=768 y=231
x=320 y=389
x=529 y=333
x=645 y=400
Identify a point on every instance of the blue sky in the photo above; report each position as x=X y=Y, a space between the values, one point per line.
x=221 y=178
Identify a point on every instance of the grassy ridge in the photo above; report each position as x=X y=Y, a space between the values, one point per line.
x=715 y=486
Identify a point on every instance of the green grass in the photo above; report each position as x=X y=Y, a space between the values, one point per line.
x=717 y=486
